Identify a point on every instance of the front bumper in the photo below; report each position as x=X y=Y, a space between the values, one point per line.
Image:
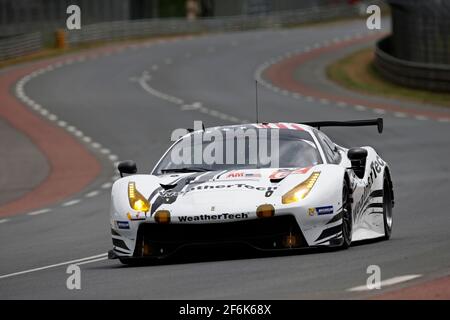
x=266 y=234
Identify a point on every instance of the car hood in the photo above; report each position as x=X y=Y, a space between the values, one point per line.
x=212 y=192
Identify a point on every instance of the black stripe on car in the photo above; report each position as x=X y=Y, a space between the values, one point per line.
x=119 y=243
x=329 y=232
x=335 y=218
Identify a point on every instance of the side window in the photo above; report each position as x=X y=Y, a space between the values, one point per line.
x=329 y=148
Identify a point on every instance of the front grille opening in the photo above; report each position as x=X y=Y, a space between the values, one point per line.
x=279 y=232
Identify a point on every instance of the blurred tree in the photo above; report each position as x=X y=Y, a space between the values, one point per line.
x=172 y=8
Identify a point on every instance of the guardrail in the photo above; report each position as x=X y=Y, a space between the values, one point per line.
x=140 y=28
x=129 y=29
x=428 y=76
x=20 y=45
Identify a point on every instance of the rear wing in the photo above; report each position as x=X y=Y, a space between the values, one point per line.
x=353 y=123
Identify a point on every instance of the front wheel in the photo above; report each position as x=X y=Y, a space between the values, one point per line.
x=347 y=222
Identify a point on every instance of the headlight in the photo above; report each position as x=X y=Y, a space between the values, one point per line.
x=300 y=191
x=265 y=211
x=162 y=216
x=137 y=201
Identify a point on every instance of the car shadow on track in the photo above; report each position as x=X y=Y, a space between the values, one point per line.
x=213 y=254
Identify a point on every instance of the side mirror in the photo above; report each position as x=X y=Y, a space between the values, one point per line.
x=358 y=158
x=127 y=166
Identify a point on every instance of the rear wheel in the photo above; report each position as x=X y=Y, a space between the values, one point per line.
x=347 y=222
x=387 y=208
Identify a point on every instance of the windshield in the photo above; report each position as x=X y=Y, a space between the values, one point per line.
x=223 y=149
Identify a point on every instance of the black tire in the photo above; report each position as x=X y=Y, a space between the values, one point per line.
x=347 y=221
x=387 y=207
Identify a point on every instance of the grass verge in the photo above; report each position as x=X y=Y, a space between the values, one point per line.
x=357 y=72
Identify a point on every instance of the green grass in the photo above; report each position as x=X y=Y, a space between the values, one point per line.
x=357 y=72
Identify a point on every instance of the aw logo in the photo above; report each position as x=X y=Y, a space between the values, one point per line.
x=74 y=279
x=374 y=20
x=73 y=21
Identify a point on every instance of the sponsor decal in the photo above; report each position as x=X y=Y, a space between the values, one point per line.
x=237 y=174
x=283 y=173
x=203 y=187
x=320 y=210
x=280 y=174
x=213 y=217
x=376 y=168
x=123 y=224
x=252 y=175
x=136 y=216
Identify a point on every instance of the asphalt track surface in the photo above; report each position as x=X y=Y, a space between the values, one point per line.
x=130 y=102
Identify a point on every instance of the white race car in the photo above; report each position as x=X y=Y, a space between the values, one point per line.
x=319 y=194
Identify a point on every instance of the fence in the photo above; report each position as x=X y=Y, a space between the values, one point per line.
x=140 y=28
x=128 y=29
x=20 y=45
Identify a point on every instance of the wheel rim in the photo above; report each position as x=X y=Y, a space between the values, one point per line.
x=346 y=218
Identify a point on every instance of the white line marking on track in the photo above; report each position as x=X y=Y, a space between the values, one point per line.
x=379 y=111
x=92 y=194
x=387 y=282
x=52 y=117
x=4 y=220
x=62 y=123
x=91 y=259
x=71 y=203
x=113 y=157
x=35 y=213
x=143 y=83
x=106 y=185
x=193 y=106
x=399 y=114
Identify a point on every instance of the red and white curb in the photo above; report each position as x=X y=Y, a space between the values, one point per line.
x=309 y=98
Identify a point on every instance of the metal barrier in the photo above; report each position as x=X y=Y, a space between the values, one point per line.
x=129 y=29
x=141 y=28
x=20 y=45
x=428 y=76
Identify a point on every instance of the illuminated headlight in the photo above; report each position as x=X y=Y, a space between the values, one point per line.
x=300 y=191
x=265 y=211
x=162 y=216
x=137 y=201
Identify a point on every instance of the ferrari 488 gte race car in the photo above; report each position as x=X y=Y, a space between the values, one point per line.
x=315 y=194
